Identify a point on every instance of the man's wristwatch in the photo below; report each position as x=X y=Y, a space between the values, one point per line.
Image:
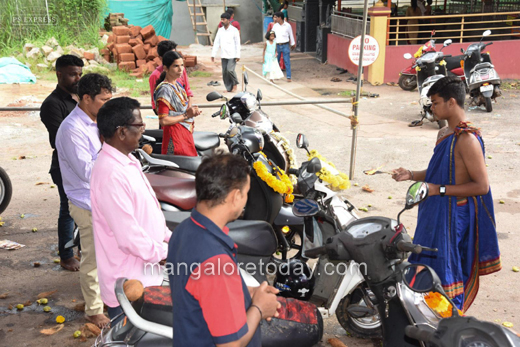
x=442 y=190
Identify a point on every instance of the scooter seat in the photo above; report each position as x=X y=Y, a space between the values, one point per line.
x=453 y=62
x=205 y=140
x=255 y=238
x=179 y=192
x=482 y=66
x=190 y=164
x=156 y=305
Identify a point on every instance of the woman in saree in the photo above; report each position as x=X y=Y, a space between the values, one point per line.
x=175 y=115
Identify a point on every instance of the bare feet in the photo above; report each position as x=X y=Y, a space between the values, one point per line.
x=272 y=81
x=234 y=89
x=99 y=319
x=289 y=80
x=71 y=264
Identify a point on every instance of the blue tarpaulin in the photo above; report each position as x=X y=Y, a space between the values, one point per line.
x=12 y=71
x=157 y=13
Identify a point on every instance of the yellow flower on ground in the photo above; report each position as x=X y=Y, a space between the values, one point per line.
x=60 y=319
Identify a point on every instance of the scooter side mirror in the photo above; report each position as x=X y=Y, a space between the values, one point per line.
x=301 y=141
x=246 y=78
x=462 y=50
x=305 y=208
x=417 y=193
x=448 y=42
x=407 y=56
x=314 y=165
x=486 y=33
x=259 y=95
x=418 y=278
x=214 y=96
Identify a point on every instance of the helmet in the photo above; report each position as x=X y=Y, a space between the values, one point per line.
x=294 y=280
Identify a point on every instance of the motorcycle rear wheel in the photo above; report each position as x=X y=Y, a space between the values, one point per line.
x=6 y=190
x=489 y=105
x=408 y=82
x=364 y=328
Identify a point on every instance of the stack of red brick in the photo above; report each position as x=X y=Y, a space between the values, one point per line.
x=133 y=49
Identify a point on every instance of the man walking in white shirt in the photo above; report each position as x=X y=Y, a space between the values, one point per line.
x=228 y=39
x=284 y=41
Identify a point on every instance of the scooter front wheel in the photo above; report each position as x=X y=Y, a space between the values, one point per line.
x=489 y=105
x=408 y=82
x=6 y=190
x=365 y=327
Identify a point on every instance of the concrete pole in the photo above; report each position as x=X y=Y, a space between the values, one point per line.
x=358 y=93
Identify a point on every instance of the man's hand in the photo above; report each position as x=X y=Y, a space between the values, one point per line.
x=237 y=59
x=401 y=174
x=265 y=298
x=193 y=111
x=212 y=59
x=293 y=47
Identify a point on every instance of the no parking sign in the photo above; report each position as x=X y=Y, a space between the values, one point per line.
x=370 y=53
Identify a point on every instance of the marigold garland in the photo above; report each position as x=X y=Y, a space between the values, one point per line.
x=439 y=304
x=336 y=182
x=293 y=164
x=279 y=182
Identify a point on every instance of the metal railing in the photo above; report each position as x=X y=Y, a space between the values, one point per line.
x=346 y=24
x=459 y=28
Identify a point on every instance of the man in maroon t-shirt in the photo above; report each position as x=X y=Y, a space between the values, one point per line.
x=233 y=22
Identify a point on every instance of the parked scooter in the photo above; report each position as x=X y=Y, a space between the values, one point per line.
x=465 y=331
x=408 y=76
x=149 y=320
x=381 y=246
x=6 y=190
x=430 y=68
x=481 y=77
x=173 y=180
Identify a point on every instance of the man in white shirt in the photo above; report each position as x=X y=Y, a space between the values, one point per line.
x=228 y=39
x=284 y=41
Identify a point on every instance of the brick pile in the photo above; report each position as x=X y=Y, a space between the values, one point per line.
x=133 y=48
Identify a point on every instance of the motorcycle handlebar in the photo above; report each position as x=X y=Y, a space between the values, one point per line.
x=404 y=246
x=418 y=334
x=448 y=56
x=216 y=114
x=315 y=252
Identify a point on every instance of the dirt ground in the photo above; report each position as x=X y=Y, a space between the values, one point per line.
x=383 y=139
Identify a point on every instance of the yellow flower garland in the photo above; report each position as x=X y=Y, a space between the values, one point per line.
x=293 y=164
x=336 y=182
x=279 y=182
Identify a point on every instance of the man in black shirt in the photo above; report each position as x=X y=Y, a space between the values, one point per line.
x=53 y=111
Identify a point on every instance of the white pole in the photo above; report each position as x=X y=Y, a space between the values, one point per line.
x=358 y=92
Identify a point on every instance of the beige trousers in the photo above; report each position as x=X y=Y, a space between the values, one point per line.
x=88 y=278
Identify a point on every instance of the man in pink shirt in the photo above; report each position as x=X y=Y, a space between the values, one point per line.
x=162 y=48
x=129 y=228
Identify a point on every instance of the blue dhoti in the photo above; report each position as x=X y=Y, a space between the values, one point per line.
x=462 y=229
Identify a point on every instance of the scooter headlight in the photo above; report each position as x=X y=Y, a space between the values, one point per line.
x=439 y=305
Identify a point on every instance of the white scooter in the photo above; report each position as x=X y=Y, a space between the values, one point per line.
x=430 y=68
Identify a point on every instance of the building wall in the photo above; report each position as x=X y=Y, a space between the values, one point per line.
x=247 y=13
x=182 y=30
x=503 y=55
x=337 y=54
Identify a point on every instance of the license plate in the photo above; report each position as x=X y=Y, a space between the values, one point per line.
x=486 y=88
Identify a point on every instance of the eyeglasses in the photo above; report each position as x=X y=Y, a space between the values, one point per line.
x=141 y=126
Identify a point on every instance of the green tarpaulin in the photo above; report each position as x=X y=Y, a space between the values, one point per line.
x=157 y=13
